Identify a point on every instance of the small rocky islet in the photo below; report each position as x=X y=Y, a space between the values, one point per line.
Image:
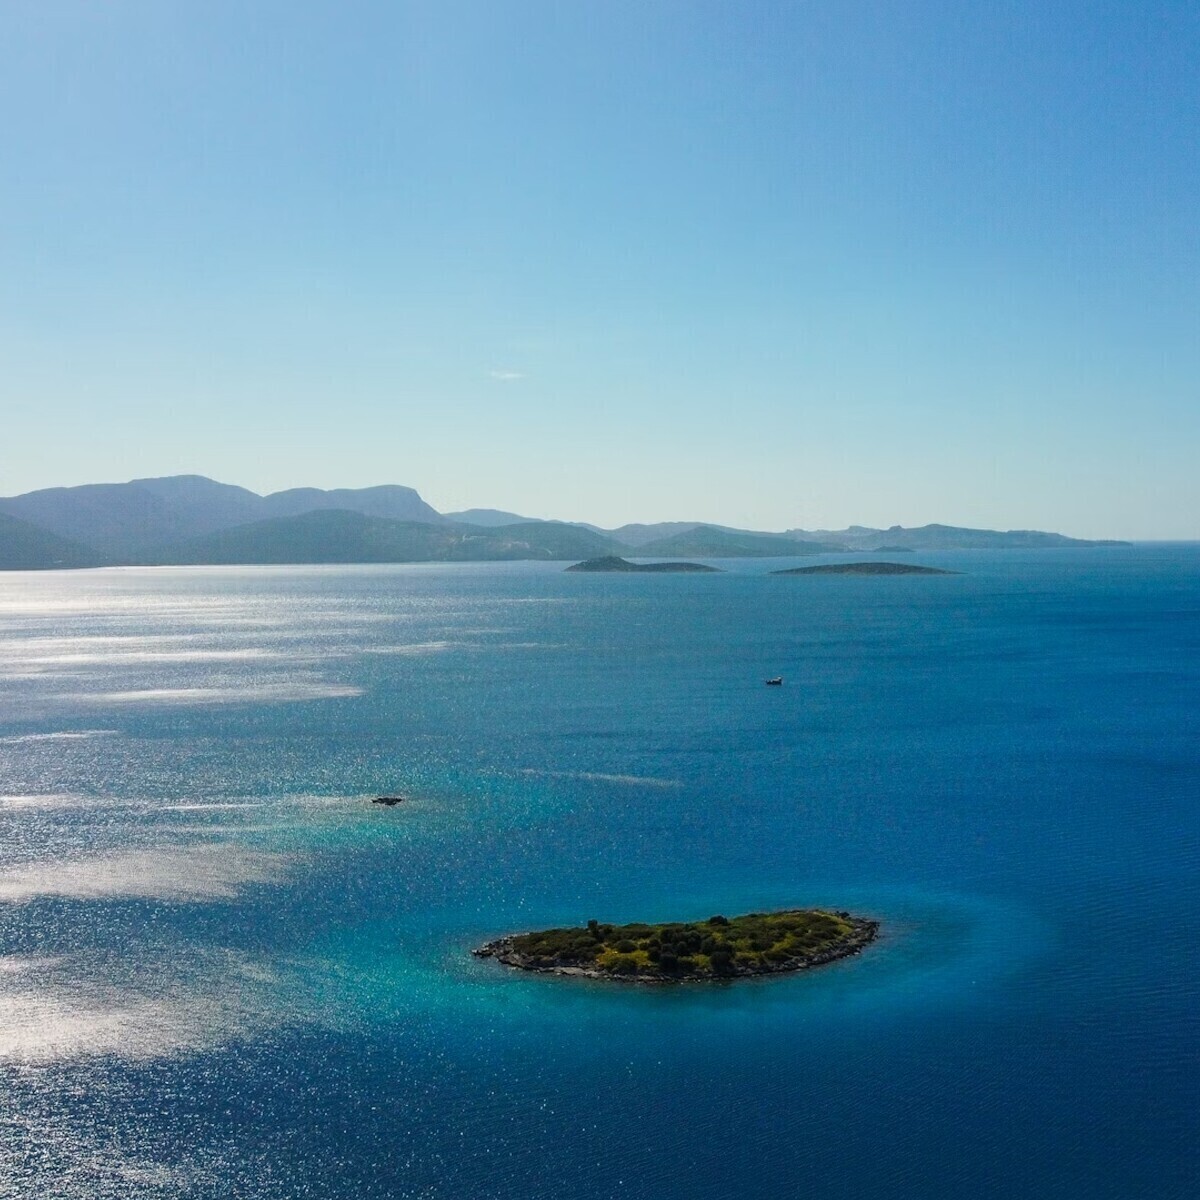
x=719 y=948
x=613 y=562
x=865 y=568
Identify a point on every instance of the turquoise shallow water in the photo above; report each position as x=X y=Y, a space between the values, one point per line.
x=223 y=972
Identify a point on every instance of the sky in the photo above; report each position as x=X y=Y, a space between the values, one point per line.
x=768 y=264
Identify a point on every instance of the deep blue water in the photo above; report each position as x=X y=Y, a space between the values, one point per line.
x=224 y=973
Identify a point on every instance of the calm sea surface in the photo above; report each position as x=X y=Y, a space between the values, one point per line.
x=224 y=973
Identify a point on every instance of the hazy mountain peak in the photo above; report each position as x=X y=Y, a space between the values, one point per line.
x=390 y=500
x=487 y=517
x=129 y=520
x=161 y=518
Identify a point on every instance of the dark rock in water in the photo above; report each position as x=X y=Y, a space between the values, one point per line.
x=388 y=800
x=612 y=562
x=865 y=568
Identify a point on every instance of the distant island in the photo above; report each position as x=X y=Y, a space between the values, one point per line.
x=181 y=520
x=865 y=568
x=612 y=562
x=677 y=952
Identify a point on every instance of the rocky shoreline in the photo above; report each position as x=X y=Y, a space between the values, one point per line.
x=863 y=932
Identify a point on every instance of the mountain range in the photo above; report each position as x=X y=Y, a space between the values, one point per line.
x=189 y=519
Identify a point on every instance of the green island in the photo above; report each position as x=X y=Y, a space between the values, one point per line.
x=679 y=951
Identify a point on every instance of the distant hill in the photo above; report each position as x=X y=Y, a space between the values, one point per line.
x=391 y=501
x=644 y=535
x=556 y=538
x=190 y=518
x=338 y=536
x=130 y=521
x=26 y=547
x=640 y=535
x=208 y=504
x=487 y=517
x=114 y=519
x=706 y=541
x=946 y=537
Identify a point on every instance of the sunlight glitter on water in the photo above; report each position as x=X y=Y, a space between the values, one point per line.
x=78 y=1005
x=66 y=735
x=215 y=943
x=178 y=874
x=269 y=693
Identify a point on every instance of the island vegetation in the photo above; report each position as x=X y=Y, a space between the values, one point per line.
x=676 y=951
x=865 y=568
x=612 y=562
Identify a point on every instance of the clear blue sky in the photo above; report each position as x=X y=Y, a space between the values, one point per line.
x=770 y=264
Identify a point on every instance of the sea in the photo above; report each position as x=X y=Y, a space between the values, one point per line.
x=224 y=972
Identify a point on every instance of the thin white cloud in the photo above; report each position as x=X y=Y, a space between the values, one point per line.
x=503 y=376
